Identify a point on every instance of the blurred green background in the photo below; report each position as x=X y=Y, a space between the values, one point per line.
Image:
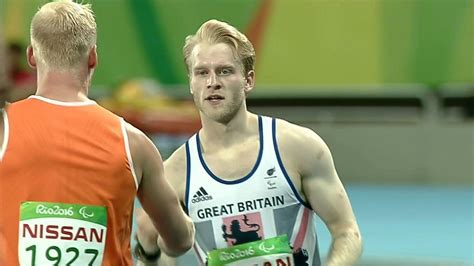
x=299 y=43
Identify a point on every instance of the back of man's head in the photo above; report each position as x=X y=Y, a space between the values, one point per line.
x=62 y=34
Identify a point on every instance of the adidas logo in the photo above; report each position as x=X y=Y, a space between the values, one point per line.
x=201 y=195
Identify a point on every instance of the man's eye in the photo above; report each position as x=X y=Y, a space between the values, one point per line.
x=225 y=71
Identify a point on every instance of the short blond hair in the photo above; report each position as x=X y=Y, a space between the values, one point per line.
x=62 y=33
x=213 y=32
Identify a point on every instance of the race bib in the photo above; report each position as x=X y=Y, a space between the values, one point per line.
x=269 y=252
x=61 y=234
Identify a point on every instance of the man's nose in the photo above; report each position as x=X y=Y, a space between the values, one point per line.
x=212 y=81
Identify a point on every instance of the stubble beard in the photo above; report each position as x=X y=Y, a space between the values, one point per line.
x=222 y=114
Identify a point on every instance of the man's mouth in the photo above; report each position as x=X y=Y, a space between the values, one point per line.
x=214 y=97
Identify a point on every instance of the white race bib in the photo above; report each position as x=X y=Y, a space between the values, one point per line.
x=61 y=234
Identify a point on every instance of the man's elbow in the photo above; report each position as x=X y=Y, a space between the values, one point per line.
x=349 y=234
x=354 y=237
x=178 y=247
x=178 y=250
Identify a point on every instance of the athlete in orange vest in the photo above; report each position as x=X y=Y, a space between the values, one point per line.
x=70 y=169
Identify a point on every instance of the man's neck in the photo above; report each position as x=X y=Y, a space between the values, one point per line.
x=216 y=135
x=63 y=86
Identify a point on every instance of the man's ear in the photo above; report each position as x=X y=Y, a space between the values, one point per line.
x=249 y=81
x=30 y=57
x=93 y=58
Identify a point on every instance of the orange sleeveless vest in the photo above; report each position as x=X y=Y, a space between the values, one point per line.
x=65 y=158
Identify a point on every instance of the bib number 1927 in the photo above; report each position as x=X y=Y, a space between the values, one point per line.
x=57 y=256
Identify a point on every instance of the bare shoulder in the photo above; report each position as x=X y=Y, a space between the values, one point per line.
x=139 y=143
x=176 y=169
x=142 y=150
x=289 y=134
x=178 y=158
x=134 y=133
x=300 y=147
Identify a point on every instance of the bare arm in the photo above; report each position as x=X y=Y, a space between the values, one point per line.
x=175 y=173
x=148 y=237
x=158 y=198
x=325 y=193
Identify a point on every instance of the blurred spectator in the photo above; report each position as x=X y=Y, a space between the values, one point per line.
x=23 y=79
x=469 y=107
x=4 y=84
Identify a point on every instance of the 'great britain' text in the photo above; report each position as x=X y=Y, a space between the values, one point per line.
x=242 y=206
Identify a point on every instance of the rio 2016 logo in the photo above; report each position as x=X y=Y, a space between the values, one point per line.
x=54 y=210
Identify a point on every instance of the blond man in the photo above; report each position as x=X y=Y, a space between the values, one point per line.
x=252 y=180
x=71 y=169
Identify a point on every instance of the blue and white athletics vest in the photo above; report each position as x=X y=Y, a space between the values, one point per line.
x=260 y=205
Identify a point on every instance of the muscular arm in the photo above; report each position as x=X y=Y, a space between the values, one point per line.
x=175 y=173
x=325 y=193
x=148 y=237
x=158 y=197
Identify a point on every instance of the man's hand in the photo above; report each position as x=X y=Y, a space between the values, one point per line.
x=148 y=238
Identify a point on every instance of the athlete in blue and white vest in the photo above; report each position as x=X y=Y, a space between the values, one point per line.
x=262 y=203
x=244 y=177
